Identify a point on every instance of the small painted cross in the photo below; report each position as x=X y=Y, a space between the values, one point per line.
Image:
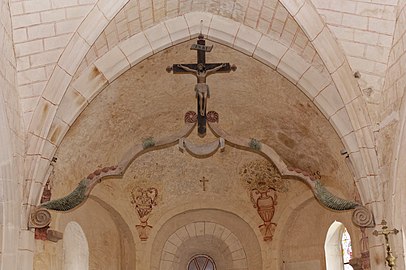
x=204 y=180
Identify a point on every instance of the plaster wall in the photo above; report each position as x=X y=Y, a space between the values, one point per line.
x=305 y=233
x=14 y=254
x=203 y=223
x=105 y=243
x=75 y=248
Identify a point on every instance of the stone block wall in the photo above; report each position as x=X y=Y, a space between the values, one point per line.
x=364 y=30
x=41 y=31
x=12 y=253
x=389 y=138
x=371 y=33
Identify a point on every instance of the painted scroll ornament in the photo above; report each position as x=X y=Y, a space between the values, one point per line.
x=254 y=178
x=143 y=201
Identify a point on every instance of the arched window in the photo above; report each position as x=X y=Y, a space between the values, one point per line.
x=75 y=248
x=346 y=248
x=201 y=262
x=338 y=247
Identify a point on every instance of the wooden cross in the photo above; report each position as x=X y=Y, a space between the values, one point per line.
x=201 y=70
x=204 y=180
x=390 y=259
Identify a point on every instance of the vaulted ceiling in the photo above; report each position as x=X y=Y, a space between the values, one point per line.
x=306 y=102
x=253 y=102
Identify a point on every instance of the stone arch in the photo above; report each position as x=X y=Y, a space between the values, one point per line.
x=315 y=84
x=359 y=142
x=220 y=234
x=127 y=243
x=9 y=185
x=284 y=219
x=58 y=111
x=288 y=219
x=188 y=204
x=244 y=39
x=204 y=233
x=397 y=186
x=398 y=170
x=41 y=150
x=109 y=237
x=75 y=248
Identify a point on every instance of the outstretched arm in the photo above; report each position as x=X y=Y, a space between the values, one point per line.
x=187 y=68
x=213 y=70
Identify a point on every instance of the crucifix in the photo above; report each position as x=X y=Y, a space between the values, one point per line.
x=390 y=259
x=204 y=180
x=201 y=70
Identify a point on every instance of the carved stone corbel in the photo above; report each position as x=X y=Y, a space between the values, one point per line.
x=39 y=218
x=363 y=217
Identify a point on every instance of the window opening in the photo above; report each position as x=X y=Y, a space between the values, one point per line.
x=338 y=247
x=201 y=262
x=347 y=249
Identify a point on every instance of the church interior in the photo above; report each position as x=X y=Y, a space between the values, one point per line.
x=202 y=134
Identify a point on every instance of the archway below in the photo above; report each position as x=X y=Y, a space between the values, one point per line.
x=222 y=236
x=75 y=248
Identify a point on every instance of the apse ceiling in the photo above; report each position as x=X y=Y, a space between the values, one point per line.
x=253 y=102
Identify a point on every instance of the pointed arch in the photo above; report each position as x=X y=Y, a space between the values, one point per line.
x=359 y=142
x=57 y=111
x=40 y=150
x=397 y=186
